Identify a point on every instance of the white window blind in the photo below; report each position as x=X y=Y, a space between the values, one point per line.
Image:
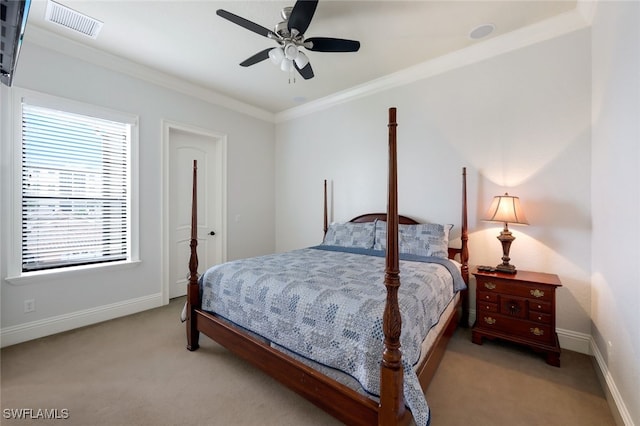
x=75 y=189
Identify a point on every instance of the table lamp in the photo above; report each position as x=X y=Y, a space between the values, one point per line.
x=506 y=209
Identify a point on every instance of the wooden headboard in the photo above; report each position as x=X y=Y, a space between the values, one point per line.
x=370 y=217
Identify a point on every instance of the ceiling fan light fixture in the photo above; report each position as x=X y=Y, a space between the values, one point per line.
x=290 y=51
x=301 y=60
x=286 y=65
x=276 y=55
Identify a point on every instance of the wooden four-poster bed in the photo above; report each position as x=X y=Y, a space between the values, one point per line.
x=335 y=396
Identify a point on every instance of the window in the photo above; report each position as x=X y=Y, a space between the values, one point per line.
x=76 y=187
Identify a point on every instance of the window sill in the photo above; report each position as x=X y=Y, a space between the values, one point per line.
x=39 y=276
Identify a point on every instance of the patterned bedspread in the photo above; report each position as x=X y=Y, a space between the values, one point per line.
x=326 y=304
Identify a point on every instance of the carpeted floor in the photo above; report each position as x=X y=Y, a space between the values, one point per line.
x=136 y=371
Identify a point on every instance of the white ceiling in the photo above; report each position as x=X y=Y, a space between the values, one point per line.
x=187 y=40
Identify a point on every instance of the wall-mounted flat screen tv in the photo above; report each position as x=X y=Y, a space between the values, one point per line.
x=13 y=20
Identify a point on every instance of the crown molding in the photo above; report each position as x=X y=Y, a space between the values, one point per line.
x=587 y=9
x=52 y=41
x=545 y=30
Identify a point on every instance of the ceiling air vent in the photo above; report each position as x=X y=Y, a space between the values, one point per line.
x=69 y=18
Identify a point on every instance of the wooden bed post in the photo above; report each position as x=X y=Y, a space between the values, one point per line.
x=464 y=254
x=326 y=217
x=193 y=290
x=392 y=408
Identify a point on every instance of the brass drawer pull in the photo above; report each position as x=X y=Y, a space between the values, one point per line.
x=489 y=320
x=490 y=285
x=536 y=293
x=537 y=331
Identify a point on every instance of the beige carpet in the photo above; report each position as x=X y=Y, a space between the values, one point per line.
x=136 y=371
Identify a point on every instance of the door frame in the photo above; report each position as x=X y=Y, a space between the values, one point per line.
x=220 y=141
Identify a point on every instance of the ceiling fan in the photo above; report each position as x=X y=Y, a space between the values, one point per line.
x=289 y=34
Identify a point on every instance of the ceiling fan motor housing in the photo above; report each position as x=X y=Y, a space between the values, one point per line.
x=282 y=30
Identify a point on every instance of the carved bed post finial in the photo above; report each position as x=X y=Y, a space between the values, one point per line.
x=391 y=376
x=193 y=290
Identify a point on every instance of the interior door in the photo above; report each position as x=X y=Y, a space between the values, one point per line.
x=184 y=147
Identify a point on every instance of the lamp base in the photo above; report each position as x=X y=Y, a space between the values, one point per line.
x=508 y=269
x=506 y=238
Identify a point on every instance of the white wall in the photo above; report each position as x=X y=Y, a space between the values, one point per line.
x=250 y=176
x=615 y=295
x=520 y=122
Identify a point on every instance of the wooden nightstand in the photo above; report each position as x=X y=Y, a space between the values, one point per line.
x=519 y=307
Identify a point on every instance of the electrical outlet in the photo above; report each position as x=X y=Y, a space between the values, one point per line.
x=29 y=305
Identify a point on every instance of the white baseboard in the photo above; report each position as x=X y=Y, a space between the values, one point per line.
x=619 y=408
x=574 y=341
x=48 y=326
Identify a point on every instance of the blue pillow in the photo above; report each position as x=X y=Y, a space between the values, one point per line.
x=350 y=234
x=424 y=239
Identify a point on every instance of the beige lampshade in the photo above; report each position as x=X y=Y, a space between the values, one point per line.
x=506 y=208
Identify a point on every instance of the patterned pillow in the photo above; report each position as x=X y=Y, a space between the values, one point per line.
x=425 y=239
x=350 y=235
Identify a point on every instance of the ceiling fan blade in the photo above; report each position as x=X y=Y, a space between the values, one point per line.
x=306 y=72
x=245 y=23
x=258 y=57
x=301 y=15
x=327 y=44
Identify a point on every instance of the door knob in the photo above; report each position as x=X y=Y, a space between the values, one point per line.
x=212 y=233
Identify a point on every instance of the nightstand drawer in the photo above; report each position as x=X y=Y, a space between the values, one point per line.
x=487 y=297
x=536 y=305
x=497 y=285
x=526 y=329
x=541 y=318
